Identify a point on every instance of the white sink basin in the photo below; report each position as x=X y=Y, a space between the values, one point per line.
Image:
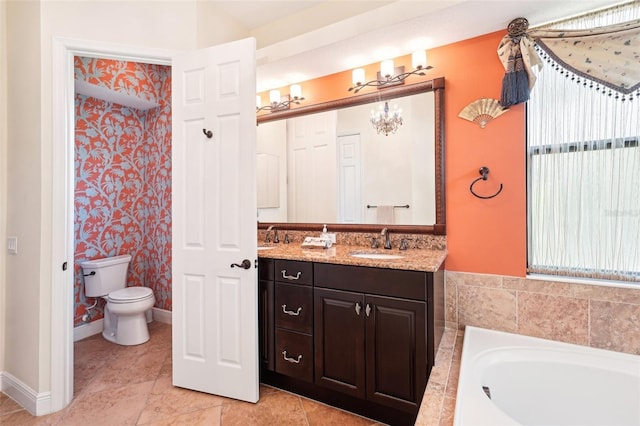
x=266 y=247
x=367 y=255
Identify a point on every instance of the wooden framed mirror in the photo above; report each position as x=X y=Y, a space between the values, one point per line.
x=436 y=86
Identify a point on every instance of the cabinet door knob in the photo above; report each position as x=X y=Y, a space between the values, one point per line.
x=358 y=308
x=367 y=310
x=293 y=360
x=292 y=313
x=290 y=277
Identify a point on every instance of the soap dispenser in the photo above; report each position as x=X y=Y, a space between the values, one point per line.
x=324 y=234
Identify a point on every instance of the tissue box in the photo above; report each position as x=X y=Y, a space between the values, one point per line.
x=316 y=242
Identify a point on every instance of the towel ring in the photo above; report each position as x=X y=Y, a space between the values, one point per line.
x=484 y=174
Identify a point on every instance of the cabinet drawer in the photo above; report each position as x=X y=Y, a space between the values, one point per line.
x=294 y=307
x=293 y=271
x=385 y=282
x=294 y=354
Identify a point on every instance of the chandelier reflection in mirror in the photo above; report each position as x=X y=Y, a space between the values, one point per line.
x=390 y=75
x=278 y=102
x=386 y=122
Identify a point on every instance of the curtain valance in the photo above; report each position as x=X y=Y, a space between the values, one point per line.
x=609 y=56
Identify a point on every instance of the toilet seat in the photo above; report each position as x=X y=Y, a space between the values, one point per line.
x=130 y=295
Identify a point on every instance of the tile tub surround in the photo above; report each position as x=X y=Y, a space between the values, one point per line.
x=591 y=315
x=439 y=401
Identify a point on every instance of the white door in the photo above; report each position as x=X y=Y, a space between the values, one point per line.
x=215 y=339
x=349 y=184
x=311 y=157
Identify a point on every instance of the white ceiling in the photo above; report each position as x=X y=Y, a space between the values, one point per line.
x=327 y=36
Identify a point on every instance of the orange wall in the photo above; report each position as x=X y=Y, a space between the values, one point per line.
x=483 y=236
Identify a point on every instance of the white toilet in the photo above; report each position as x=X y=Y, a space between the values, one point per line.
x=125 y=320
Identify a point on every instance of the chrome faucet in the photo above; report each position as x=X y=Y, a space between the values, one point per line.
x=387 y=239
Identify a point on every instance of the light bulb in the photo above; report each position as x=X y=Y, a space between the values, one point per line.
x=357 y=76
x=295 y=91
x=419 y=59
x=274 y=96
x=386 y=68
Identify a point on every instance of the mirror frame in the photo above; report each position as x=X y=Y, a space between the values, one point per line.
x=437 y=86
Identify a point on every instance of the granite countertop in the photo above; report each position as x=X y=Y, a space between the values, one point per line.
x=425 y=260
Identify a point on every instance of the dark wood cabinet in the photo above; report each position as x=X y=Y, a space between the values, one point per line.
x=371 y=347
x=266 y=317
x=294 y=307
x=293 y=312
x=339 y=341
x=396 y=351
x=359 y=338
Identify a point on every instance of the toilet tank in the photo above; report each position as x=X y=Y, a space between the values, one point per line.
x=102 y=276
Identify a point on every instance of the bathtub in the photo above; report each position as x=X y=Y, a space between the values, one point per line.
x=510 y=379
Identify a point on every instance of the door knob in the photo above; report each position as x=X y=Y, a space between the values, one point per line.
x=246 y=264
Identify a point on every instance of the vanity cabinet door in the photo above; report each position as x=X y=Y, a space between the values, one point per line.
x=396 y=351
x=339 y=341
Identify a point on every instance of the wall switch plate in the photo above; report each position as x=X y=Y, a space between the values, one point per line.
x=12 y=245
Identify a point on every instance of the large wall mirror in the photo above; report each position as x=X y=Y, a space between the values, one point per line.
x=325 y=163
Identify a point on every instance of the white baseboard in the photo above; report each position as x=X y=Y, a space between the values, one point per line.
x=35 y=403
x=87 y=330
x=161 y=315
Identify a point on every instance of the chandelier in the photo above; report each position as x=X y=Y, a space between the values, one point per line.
x=386 y=122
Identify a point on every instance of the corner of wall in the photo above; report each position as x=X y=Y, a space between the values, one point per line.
x=214 y=27
x=3 y=171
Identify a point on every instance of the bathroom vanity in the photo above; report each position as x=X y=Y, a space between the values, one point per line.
x=356 y=333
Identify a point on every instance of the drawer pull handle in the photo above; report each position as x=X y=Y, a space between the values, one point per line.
x=290 y=277
x=292 y=313
x=367 y=310
x=292 y=360
x=358 y=308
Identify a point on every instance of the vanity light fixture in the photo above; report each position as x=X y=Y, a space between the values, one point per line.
x=279 y=103
x=386 y=122
x=389 y=75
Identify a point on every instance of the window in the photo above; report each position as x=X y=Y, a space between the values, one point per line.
x=583 y=173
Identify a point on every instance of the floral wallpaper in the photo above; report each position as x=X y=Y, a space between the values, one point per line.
x=123 y=177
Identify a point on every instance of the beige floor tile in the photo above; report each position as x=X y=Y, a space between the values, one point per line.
x=23 y=418
x=167 y=402
x=121 y=406
x=321 y=414
x=8 y=405
x=131 y=385
x=275 y=408
x=207 y=416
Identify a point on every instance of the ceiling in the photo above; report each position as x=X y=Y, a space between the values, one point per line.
x=300 y=40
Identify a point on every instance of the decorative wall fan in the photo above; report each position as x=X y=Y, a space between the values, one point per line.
x=482 y=111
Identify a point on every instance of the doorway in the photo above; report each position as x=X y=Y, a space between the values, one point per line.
x=220 y=81
x=62 y=239
x=122 y=168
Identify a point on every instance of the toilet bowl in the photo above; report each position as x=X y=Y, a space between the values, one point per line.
x=125 y=320
x=128 y=322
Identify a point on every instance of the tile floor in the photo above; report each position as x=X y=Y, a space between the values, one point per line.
x=131 y=385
